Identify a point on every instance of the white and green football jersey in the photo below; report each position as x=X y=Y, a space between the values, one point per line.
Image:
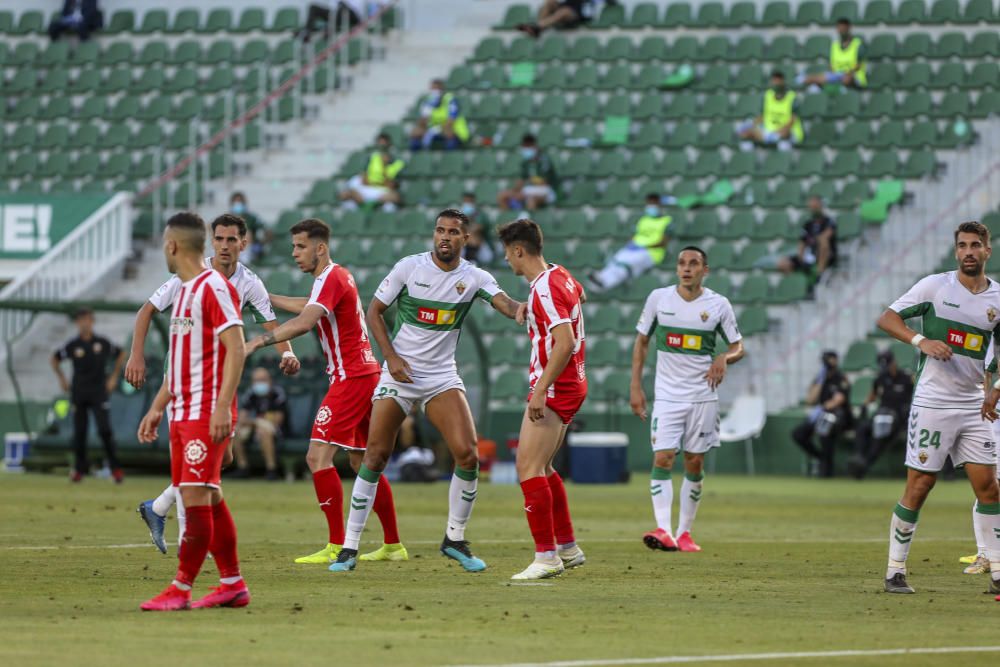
x=686 y=333
x=963 y=320
x=431 y=306
x=252 y=293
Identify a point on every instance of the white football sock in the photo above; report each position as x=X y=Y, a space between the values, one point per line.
x=661 y=489
x=165 y=500
x=690 y=499
x=461 y=498
x=362 y=499
x=901 y=529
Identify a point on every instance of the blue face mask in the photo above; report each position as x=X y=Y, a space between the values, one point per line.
x=239 y=208
x=469 y=209
x=652 y=211
x=529 y=153
x=261 y=388
x=435 y=98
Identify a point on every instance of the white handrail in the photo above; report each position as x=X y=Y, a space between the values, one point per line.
x=74 y=265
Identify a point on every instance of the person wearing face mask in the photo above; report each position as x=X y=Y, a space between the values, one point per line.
x=778 y=124
x=893 y=390
x=848 y=62
x=830 y=415
x=646 y=249
x=441 y=121
x=379 y=183
x=478 y=250
x=262 y=413
x=537 y=186
x=817 y=244
x=257 y=234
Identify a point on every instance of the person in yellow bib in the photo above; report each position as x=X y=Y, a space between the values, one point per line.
x=848 y=61
x=778 y=124
x=379 y=183
x=643 y=252
x=441 y=121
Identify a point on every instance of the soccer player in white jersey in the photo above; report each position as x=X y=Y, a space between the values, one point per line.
x=978 y=563
x=433 y=292
x=557 y=380
x=960 y=312
x=229 y=239
x=687 y=320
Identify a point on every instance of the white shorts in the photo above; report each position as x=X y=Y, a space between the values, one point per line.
x=693 y=427
x=418 y=392
x=369 y=193
x=934 y=434
x=545 y=191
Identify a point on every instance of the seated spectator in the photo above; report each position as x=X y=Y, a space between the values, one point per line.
x=893 y=389
x=415 y=460
x=478 y=248
x=817 y=245
x=258 y=235
x=441 y=121
x=346 y=15
x=643 y=252
x=79 y=16
x=848 y=65
x=537 y=186
x=778 y=123
x=560 y=14
x=830 y=416
x=262 y=414
x=378 y=184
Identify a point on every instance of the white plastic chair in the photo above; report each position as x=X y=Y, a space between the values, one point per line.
x=745 y=421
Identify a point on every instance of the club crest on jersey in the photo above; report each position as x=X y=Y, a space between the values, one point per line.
x=97 y=348
x=181 y=326
x=79 y=352
x=704 y=316
x=195 y=452
x=323 y=416
x=991 y=313
x=966 y=341
x=460 y=287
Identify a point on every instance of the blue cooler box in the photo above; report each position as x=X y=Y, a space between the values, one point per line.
x=598 y=458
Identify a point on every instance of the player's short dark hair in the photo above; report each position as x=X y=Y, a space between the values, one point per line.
x=453 y=214
x=468 y=194
x=82 y=311
x=777 y=74
x=704 y=256
x=237 y=195
x=437 y=82
x=529 y=139
x=525 y=232
x=973 y=227
x=652 y=195
x=191 y=224
x=231 y=220
x=843 y=20
x=383 y=135
x=313 y=228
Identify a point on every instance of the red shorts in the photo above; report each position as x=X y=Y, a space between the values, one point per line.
x=564 y=405
x=342 y=418
x=194 y=459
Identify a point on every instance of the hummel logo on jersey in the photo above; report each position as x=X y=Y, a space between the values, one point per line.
x=964 y=340
x=953 y=305
x=420 y=284
x=664 y=312
x=684 y=341
x=435 y=316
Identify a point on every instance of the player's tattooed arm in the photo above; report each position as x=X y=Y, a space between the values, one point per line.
x=508 y=307
x=293 y=328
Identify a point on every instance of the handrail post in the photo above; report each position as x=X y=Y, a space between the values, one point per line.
x=192 y=174
x=157 y=204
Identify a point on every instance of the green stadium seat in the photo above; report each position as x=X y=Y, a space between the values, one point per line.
x=917 y=75
x=982 y=45
x=753 y=289
x=519 y=50
x=251 y=20
x=514 y=16
x=847 y=9
x=583 y=48
x=616 y=77
x=740 y=14
x=945 y=11
x=24 y=54
x=222 y=52
x=816 y=47
x=54 y=55
x=775 y=14
x=882 y=47
x=23 y=82
x=713 y=49
x=876 y=12
x=950 y=44
x=616 y=48
x=752 y=320
x=155 y=52
x=881 y=164
x=792 y=287
x=186 y=20
x=978 y=11
x=748 y=48
x=845 y=105
x=915 y=45
x=154 y=20
x=915 y=104
x=612 y=16
x=953 y=105
x=57 y=107
x=183 y=80
x=919 y=164
x=678 y=15
x=854 y=134
x=890 y=133
x=852 y=194
x=219 y=20
x=810 y=12
x=740 y=225
x=983 y=76
x=880 y=104
x=29 y=22
x=123 y=20
x=710 y=15
x=845 y=163
x=910 y=12
x=683 y=49
x=644 y=15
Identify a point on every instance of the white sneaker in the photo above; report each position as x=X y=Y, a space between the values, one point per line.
x=541 y=569
x=572 y=557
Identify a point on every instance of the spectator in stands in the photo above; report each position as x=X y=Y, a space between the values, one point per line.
x=893 y=389
x=830 y=416
x=263 y=410
x=643 y=252
x=441 y=121
x=258 y=235
x=478 y=248
x=817 y=244
x=346 y=15
x=778 y=122
x=379 y=182
x=561 y=14
x=78 y=16
x=90 y=390
x=848 y=64
x=415 y=459
x=537 y=185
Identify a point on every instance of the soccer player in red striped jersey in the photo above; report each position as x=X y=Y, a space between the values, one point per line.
x=334 y=309
x=558 y=387
x=205 y=362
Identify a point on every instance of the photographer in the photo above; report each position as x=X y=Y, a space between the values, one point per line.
x=830 y=417
x=893 y=389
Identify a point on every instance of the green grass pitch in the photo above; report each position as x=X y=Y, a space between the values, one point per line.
x=788 y=565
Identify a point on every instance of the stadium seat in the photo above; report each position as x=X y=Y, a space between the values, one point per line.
x=514 y=16
x=644 y=15
x=860 y=356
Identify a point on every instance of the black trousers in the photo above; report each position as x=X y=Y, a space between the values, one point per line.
x=868 y=448
x=328 y=19
x=804 y=433
x=82 y=407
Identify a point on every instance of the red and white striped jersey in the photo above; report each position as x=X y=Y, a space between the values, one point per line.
x=555 y=299
x=205 y=306
x=343 y=332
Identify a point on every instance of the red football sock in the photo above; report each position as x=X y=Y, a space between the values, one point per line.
x=223 y=545
x=538 y=508
x=330 y=494
x=385 y=508
x=561 y=521
x=194 y=546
